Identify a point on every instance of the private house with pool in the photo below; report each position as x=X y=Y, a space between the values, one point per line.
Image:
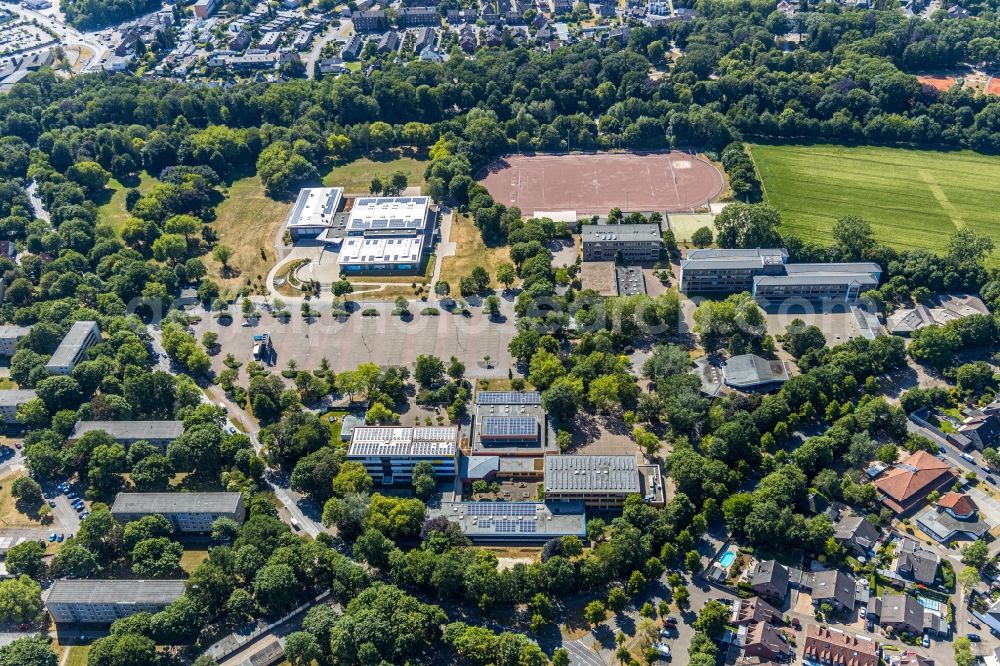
x=370 y=234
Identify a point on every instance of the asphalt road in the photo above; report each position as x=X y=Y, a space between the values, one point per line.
x=281 y=491
x=68 y=35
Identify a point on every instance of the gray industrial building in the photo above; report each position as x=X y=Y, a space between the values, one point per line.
x=82 y=336
x=601 y=481
x=158 y=433
x=104 y=601
x=635 y=242
x=187 y=512
x=749 y=371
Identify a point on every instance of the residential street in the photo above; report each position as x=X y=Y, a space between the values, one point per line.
x=247 y=425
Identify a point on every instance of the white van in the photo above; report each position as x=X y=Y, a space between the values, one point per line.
x=968 y=457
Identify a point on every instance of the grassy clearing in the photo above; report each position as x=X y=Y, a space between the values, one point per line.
x=685 y=224
x=10 y=516
x=334 y=425
x=247 y=221
x=7 y=383
x=113 y=213
x=913 y=198
x=77 y=655
x=470 y=251
x=192 y=558
x=356 y=176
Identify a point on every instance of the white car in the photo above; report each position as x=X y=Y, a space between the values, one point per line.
x=663 y=649
x=863 y=612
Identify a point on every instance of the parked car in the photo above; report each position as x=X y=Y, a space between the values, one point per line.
x=926 y=641
x=52 y=502
x=663 y=649
x=52 y=537
x=863 y=612
x=975 y=638
x=670 y=621
x=84 y=515
x=975 y=624
x=991 y=480
x=60 y=538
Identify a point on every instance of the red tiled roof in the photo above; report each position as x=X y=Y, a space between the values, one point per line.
x=961 y=505
x=832 y=646
x=913 y=479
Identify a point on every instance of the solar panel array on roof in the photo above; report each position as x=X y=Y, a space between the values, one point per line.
x=502 y=508
x=508 y=398
x=519 y=427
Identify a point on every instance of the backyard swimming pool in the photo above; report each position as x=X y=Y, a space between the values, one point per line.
x=727 y=558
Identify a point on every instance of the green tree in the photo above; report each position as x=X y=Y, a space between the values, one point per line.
x=506 y=274
x=302 y=649
x=429 y=370
x=595 y=612
x=222 y=254
x=976 y=555
x=123 y=650
x=702 y=237
x=156 y=558
x=27 y=492
x=20 y=599
x=28 y=651
x=25 y=558
x=424 y=482
x=712 y=619
x=351 y=478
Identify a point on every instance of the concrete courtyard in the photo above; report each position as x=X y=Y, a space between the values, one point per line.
x=384 y=340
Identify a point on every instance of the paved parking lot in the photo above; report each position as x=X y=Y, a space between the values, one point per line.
x=385 y=339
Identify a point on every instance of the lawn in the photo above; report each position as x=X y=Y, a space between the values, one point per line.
x=913 y=198
x=113 y=212
x=247 y=221
x=470 y=251
x=77 y=655
x=334 y=425
x=192 y=558
x=10 y=516
x=356 y=176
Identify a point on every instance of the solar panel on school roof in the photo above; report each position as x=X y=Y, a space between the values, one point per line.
x=499 y=426
x=508 y=398
x=502 y=508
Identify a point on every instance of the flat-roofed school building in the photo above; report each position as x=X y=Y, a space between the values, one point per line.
x=314 y=212
x=511 y=423
x=515 y=522
x=387 y=235
x=636 y=242
x=389 y=453
x=602 y=481
x=187 y=512
x=82 y=336
x=93 y=601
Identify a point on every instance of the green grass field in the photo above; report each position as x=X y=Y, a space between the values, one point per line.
x=356 y=176
x=913 y=198
x=113 y=212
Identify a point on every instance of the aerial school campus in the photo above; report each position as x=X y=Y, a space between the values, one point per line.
x=377 y=367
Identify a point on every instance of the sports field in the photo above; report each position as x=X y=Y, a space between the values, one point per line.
x=596 y=183
x=913 y=198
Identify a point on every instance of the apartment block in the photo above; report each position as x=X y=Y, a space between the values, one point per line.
x=187 y=512
x=104 y=601
x=81 y=336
